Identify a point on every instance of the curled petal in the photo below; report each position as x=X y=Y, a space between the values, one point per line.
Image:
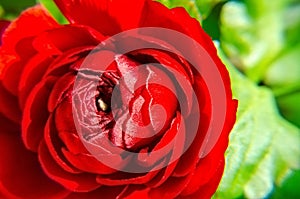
x=55 y=146
x=34 y=120
x=74 y=182
x=32 y=75
x=69 y=61
x=88 y=163
x=60 y=91
x=177 y=151
x=123 y=178
x=165 y=145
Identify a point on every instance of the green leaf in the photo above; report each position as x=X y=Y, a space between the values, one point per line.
x=211 y=23
x=207 y=12
x=10 y=9
x=199 y=9
x=189 y=5
x=263 y=149
x=205 y=7
x=255 y=32
x=54 y=11
x=290 y=188
x=262 y=40
x=289 y=106
x=289 y=61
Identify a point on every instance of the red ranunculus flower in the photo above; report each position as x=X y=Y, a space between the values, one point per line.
x=71 y=128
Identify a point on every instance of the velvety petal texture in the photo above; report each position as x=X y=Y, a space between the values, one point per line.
x=72 y=129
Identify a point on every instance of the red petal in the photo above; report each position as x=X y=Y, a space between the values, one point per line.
x=165 y=145
x=209 y=171
x=204 y=175
x=123 y=178
x=17 y=42
x=64 y=123
x=32 y=74
x=8 y=125
x=92 y=13
x=3 y=26
x=59 y=40
x=12 y=69
x=178 y=150
x=65 y=62
x=157 y=15
x=9 y=105
x=20 y=172
x=55 y=146
x=104 y=192
x=72 y=142
x=206 y=191
x=59 y=91
x=88 y=163
x=35 y=114
x=30 y=23
x=169 y=60
x=171 y=188
x=134 y=192
x=75 y=182
x=108 y=17
x=190 y=158
x=127 y=13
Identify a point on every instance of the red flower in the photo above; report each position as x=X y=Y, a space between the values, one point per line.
x=86 y=114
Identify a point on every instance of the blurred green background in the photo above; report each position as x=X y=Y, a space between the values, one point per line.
x=259 y=42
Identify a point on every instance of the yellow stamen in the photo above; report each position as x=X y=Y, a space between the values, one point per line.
x=102 y=105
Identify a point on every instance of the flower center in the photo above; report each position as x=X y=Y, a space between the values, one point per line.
x=101 y=105
x=105 y=87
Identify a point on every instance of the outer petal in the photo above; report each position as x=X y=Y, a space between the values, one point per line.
x=54 y=146
x=20 y=171
x=32 y=75
x=171 y=188
x=189 y=160
x=108 y=17
x=59 y=40
x=7 y=125
x=209 y=170
x=114 y=179
x=35 y=114
x=31 y=22
x=3 y=26
x=13 y=64
x=157 y=15
x=104 y=192
x=74 y=182
x=135 y=191
x=206 y=191
x=9 y=105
